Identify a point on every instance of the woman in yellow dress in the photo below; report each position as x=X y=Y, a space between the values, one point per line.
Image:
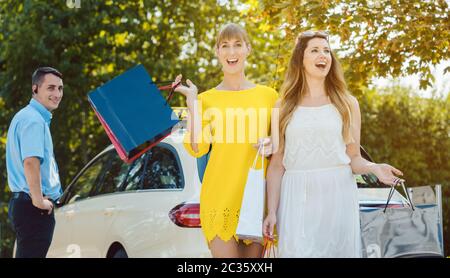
x=232 y=119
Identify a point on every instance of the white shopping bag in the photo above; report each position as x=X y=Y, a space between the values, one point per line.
x=252 y=208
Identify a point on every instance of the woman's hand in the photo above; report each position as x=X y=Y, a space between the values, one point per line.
x=267 y=142
x=269 y=224
x=190 y=91
x=387 y=174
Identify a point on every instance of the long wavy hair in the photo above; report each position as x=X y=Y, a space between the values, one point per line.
x=294 y=89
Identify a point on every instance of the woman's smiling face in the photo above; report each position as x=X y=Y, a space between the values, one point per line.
x=317 y=58
x=232 y=54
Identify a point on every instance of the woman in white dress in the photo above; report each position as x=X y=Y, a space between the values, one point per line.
x=311 y=192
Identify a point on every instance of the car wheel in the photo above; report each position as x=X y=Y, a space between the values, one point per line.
x=120 y=254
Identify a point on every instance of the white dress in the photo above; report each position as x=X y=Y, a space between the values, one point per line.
x=318 y=214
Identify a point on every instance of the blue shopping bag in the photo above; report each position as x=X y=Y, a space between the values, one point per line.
x=133 y=112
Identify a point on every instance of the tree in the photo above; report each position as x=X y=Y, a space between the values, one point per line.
x=376 y=37
x=410 y=132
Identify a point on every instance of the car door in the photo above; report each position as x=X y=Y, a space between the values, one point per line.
x=63 y=244
x=95 y=211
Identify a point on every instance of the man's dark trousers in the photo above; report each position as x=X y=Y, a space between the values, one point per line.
x=33 y=226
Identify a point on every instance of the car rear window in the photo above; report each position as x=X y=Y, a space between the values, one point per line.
x=163 y=169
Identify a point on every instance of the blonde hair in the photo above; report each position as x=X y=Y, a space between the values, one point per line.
x=232 y=31
x=294 y=88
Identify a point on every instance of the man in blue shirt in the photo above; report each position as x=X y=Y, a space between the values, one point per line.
x=32 y=170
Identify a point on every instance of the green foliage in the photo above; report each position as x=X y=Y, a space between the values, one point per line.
x=407 y=131
x=376 y=37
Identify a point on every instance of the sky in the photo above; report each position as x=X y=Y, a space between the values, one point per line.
x=441 y=84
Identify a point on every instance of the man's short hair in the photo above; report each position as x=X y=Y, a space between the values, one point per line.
x=38 y=75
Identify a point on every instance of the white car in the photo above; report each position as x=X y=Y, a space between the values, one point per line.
x=149 y=208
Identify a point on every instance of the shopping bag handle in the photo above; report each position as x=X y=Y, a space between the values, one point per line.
x=391 y=193
x=171 y=88
x=261 y=147
x=268 y=248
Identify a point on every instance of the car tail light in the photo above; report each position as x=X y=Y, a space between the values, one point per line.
x=186 y=215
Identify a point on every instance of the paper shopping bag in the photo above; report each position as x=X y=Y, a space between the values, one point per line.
x=401 y=231
x=252 y=208
x=133 y=112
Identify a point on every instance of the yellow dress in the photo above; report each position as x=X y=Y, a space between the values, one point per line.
x=232 y=121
